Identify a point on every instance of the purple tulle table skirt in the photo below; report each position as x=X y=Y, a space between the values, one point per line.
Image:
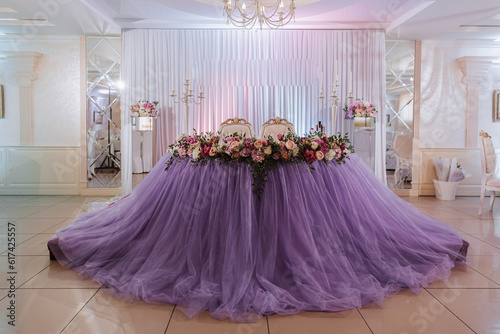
x=330 y=239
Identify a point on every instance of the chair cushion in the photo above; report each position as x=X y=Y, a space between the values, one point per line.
x=493 y=182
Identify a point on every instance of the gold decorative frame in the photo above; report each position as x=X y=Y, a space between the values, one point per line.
x=2 y=104
x=496 y=105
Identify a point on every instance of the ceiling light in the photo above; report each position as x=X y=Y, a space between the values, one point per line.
x=249 y=12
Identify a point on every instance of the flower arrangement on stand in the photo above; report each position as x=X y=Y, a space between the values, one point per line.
x=261 y=154
x=360 y=108
x=145 y=109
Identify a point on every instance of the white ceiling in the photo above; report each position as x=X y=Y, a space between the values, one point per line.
x=410 y=19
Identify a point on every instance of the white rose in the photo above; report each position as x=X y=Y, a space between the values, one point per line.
x=180 y=137
x=295 y=151
x=329 y=155
x=196 y=153
x=314 y=145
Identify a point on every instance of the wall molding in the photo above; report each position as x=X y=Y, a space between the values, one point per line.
x=468 y=158
x=39 y=170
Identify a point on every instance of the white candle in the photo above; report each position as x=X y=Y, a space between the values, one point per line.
x=173 y=81
x=350 y=81
x=334 y=73
x=321 y=81
x=187 y=68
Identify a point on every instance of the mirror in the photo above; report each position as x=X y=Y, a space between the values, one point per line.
x=103 y=112
x=400 y=65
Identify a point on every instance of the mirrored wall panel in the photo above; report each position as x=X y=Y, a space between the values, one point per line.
x=400 y=62
x=103 y=112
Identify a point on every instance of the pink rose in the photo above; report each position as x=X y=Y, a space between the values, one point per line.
x=245 y=152
x=290 y=145
x=258 y=144
x=320 y=155
x=257 y=156
x=280 y=136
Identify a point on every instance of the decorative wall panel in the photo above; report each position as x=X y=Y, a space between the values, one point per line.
x=29 y=170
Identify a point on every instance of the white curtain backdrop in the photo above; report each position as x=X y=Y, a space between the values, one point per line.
x=256 y=75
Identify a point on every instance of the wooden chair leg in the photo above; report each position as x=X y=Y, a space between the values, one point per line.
x=492 y=199
x=481 y=200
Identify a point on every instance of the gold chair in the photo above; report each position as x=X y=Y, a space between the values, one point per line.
x=488 y=166
x=236 y=125
x=276 y=126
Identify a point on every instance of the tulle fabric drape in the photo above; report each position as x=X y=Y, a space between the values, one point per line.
x=328 y=240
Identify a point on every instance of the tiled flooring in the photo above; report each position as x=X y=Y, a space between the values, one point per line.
x=50 y=299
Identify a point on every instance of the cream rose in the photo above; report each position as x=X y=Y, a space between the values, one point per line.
x=196 y=153
x=268 y=150
x=235 y=146
x=319 y=155
x=314 y=145
x=295 y=151
x=180 y=137
x=290 y=145
x=330 y=155
x=213 y=151
x=258 y=144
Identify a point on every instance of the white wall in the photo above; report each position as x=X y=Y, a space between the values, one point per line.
x=443 y=95
x=443 y=111
x=55 y=94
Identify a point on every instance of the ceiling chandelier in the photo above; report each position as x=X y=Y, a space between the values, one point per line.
x=269 y=12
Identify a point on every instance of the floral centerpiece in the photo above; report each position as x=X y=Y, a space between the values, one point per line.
x=261 y=154
x=360 y=108
x=145 y=109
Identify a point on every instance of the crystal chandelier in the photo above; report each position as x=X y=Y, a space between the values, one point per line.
x=269 y=12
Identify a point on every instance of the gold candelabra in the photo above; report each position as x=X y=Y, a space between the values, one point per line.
x=187 y=98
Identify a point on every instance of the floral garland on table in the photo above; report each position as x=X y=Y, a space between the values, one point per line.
x=360 y=108
x=145 y=109
x=261 y=154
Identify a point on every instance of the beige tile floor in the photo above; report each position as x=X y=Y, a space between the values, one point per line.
x=50 y=299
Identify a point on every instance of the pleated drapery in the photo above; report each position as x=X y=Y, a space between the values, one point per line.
x=256 y=75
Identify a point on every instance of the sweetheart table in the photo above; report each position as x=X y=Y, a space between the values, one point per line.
x=329 y=238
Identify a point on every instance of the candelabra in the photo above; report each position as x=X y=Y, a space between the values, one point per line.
x=332 y=100
x=187 y=98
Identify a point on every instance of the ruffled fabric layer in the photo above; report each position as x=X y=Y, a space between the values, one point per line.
x=332 y=239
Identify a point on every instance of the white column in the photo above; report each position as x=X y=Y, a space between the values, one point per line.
x=21 y=72
x=475 y=70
